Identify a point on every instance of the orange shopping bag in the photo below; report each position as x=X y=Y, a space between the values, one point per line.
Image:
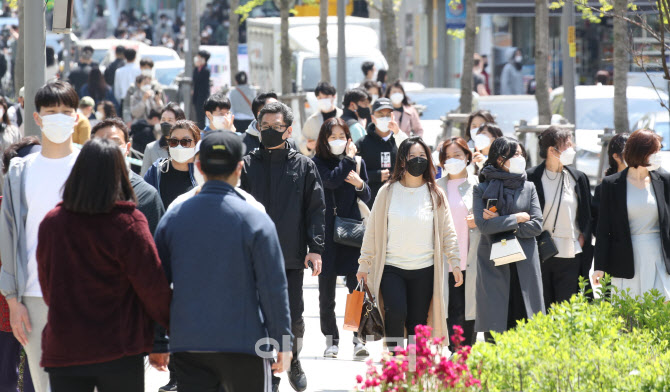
x=354 y=309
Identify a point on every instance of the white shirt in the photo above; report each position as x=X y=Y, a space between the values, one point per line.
x=124 y=78
x=566 y=235
x=183 y=197
x=45 y=179
x=410 y=244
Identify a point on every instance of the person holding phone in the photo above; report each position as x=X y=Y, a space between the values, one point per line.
x=486 y=134
x=458 y=184
x=509 y=292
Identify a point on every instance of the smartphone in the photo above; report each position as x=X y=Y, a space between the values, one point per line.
x=491 y=205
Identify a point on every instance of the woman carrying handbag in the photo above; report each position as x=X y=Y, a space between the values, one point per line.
x=345 y=183
x=510 y=292
x=409 y=236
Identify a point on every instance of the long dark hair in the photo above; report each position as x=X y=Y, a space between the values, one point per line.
x=485 y=114
x=108 y=109
x=5 y=116
x=401 y=166
x=616 y=146
x=322 y=146
x=97 y=87
x=397 y=84
x=503 y=147
x=98 y=179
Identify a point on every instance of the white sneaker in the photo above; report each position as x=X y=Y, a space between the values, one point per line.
x=360 y=350
x=331 y=352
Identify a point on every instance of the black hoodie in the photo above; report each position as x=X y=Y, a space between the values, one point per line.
x=378 y=155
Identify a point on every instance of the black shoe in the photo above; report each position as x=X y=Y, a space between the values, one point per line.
x=296 y=377
x=275 y=383
x=170 y=387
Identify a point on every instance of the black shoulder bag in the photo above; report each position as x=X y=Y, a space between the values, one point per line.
x=347 y=231
x=546 y=246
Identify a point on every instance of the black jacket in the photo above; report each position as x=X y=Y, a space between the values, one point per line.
x=288 y=184
x=142 y=134
x=614 y=246
x=110 y=71
x=148 y=201
x=201 y=84
x=378 y=155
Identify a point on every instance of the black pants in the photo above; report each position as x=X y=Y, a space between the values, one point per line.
x=297 y=307
x=125 y=374
x=560 y=279
x=516 y=307
x=213 y=372
x=407 y=296
x=327 y=286
x=456 y=313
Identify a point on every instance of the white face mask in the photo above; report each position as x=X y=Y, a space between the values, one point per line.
x=383 y=123
x=482 y=141
x=397 y=98
x=325 y=104
x=655 y=161
x=454 y=166
x=517 y=165
x=181 y=154
x=337 y=146
x=218 y=122
x=98 y=116
x=58 y=127
x=518 y=59
x=147 y=72
x=146 y=87
x=568 y=156
x=374 y=97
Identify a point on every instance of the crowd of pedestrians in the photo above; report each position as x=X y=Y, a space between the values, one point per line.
x=197 y=258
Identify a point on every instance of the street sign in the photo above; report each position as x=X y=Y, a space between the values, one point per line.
x=455 y=14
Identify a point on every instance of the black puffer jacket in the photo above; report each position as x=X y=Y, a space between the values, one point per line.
x=287 y=183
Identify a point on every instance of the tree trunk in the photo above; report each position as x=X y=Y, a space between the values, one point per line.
x=391 y=50
x=621 y=44
x=233 y=38
x=468 y=56
x=323 y=41
x=285 y=57
x=542 y=60
x=18 y=56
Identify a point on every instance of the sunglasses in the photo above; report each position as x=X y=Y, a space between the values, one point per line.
x=173 y=142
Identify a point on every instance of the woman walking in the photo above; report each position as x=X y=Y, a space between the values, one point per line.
x=345 y=182
x=509 y=292
x=409 y=235
x=405 y=115
x=617 y=165
x=101 y=324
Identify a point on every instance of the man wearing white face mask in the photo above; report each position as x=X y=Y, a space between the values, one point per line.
x=140 y=98
x=325 y=94
x=565 y=199
x=217 y=110
x=32 y=188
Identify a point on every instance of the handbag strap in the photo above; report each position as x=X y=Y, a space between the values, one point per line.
x=332 y=196
x=368 y=293
x=559 y=190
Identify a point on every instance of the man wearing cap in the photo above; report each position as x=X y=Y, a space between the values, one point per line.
x=378 y=148
x=79 y=75
x=287 y=183
x=16 y=112
x=230 y=290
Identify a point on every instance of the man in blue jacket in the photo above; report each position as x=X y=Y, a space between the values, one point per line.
x=230 y=292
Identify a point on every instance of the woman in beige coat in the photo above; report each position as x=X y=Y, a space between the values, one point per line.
x=408 y=239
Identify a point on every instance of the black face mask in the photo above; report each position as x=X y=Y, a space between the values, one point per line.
x=272 y=138
x=363 y=112
x=165 y=128
x=417 y=166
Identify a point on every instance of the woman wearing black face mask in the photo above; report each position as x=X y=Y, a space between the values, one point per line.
x=154 y=151
x=408 y=236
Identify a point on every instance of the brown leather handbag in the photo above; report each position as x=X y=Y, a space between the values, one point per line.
x=372 y=325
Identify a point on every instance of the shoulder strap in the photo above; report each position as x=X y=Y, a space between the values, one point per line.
x=245 y=97
x=559 y=202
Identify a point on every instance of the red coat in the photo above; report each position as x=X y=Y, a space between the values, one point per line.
x=4 y=308
x=104 y=284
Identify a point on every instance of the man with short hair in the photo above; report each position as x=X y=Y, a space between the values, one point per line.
x=119 y=61
x=369 y=70
x=148 y=201
x=139 y=100
x=326 y=109
x=33 y=186
x=252 y=137
x=145 y=131
x=125 y=76
x=356 y=112
x=287 y=183
x=217 y=110
x=238 y=266
x=79 y=75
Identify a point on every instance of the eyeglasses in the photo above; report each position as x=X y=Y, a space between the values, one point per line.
x=278 y=128
x=174 y=142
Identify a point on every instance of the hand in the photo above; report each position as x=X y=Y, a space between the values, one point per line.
x=393 y=125
x=478 y=156
x=470 y=220
x=228 y=120
x=18 y=319
x=354 y=179
x=490 y=215
x=597 y=276
x=316 y=261
x=522 y=217
x=385 y=174
x=159 y=361
x=350 y=149
x=363 y=276
x=458 y=277
x=283 y=362
x=581 y=240
x=147 y=95
x=311 y=145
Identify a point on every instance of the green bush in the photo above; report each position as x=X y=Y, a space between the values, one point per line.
x=614 y=343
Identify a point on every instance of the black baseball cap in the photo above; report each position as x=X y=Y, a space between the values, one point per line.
x=220 y=152
x=381 y=104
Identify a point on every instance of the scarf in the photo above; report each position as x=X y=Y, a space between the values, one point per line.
x=502 y=186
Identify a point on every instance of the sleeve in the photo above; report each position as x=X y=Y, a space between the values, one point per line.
x=146 y=161
x=416 y=123
x=268 y=264
x=244 y=178
x=595 y=209
x=533 y=227
x=153 y=210
x=494 y=225
x=315 y=216
x=117 y=84
x=603 y=240
x=587 y=201
x=400 y=137
x=366 y=193
x=368 y=249
x=374 y=176
x=143 y=268
x=44 y=254
x=7 y=243
x=150 y=175
x=332 y=179
x=450 y=248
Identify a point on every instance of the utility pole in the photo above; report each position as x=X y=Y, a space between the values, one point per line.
x=67 y=56
x=341 y=50
x=35 y=61
x=191 y=47
x=569 y=52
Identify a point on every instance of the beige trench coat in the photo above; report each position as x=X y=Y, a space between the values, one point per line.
x=373 y=254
